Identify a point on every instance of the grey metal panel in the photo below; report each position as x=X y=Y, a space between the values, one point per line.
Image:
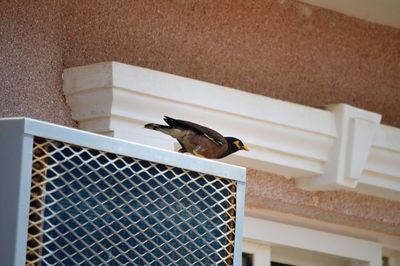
x=15 y=174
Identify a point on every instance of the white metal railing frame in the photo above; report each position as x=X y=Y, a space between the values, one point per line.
x=16 y=139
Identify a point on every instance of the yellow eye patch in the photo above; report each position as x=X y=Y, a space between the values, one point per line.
x=237 y=143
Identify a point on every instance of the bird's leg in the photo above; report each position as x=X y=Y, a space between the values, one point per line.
x=196 y=151
x=198 y=154
x=182 y=149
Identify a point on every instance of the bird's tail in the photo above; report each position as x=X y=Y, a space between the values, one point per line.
x=157 y=127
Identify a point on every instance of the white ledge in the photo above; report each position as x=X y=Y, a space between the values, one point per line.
x=340 y=148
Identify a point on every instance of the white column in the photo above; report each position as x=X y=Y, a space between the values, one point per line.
x=394 y=258
x=261 y=252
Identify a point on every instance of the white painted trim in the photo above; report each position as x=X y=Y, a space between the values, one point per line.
x=384 y=12
x=388 y=242
x=274 y=233
x=394 y=258
x=340 y=148
x=261 y=252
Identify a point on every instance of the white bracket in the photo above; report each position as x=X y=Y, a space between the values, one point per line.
x=356 y=129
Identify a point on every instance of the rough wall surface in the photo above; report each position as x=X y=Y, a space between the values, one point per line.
x=282 y=49
x=279 y=48
x=274 y=192
x=31 y=61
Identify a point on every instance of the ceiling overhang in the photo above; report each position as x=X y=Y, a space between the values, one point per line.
x=385 y=12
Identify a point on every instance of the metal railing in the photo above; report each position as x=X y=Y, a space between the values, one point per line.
x=95 y=200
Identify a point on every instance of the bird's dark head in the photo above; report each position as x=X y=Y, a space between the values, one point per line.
x=235 y=144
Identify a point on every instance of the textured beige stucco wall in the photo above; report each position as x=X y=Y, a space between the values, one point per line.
x=279 y=48
x=276 y=193
x=282 y=49
x=31 y=61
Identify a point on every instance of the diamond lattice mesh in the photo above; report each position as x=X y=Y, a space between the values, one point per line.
x=90 y=207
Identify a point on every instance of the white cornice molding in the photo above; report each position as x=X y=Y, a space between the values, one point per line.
x=340 y=148
x=384 y=12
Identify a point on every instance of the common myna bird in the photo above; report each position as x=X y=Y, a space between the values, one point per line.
x=199 y=140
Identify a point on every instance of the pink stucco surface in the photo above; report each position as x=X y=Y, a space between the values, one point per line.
x=279 y=48
x=273 y=192
x=31 y=61
x=283 y=49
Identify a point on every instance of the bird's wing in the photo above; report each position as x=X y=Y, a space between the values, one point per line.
x=205 y=131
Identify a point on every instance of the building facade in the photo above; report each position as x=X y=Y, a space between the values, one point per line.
x=289 y=63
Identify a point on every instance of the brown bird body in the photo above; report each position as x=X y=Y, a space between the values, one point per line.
x=198 y=140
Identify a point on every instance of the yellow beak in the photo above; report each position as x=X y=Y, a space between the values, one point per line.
x=244 y=147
